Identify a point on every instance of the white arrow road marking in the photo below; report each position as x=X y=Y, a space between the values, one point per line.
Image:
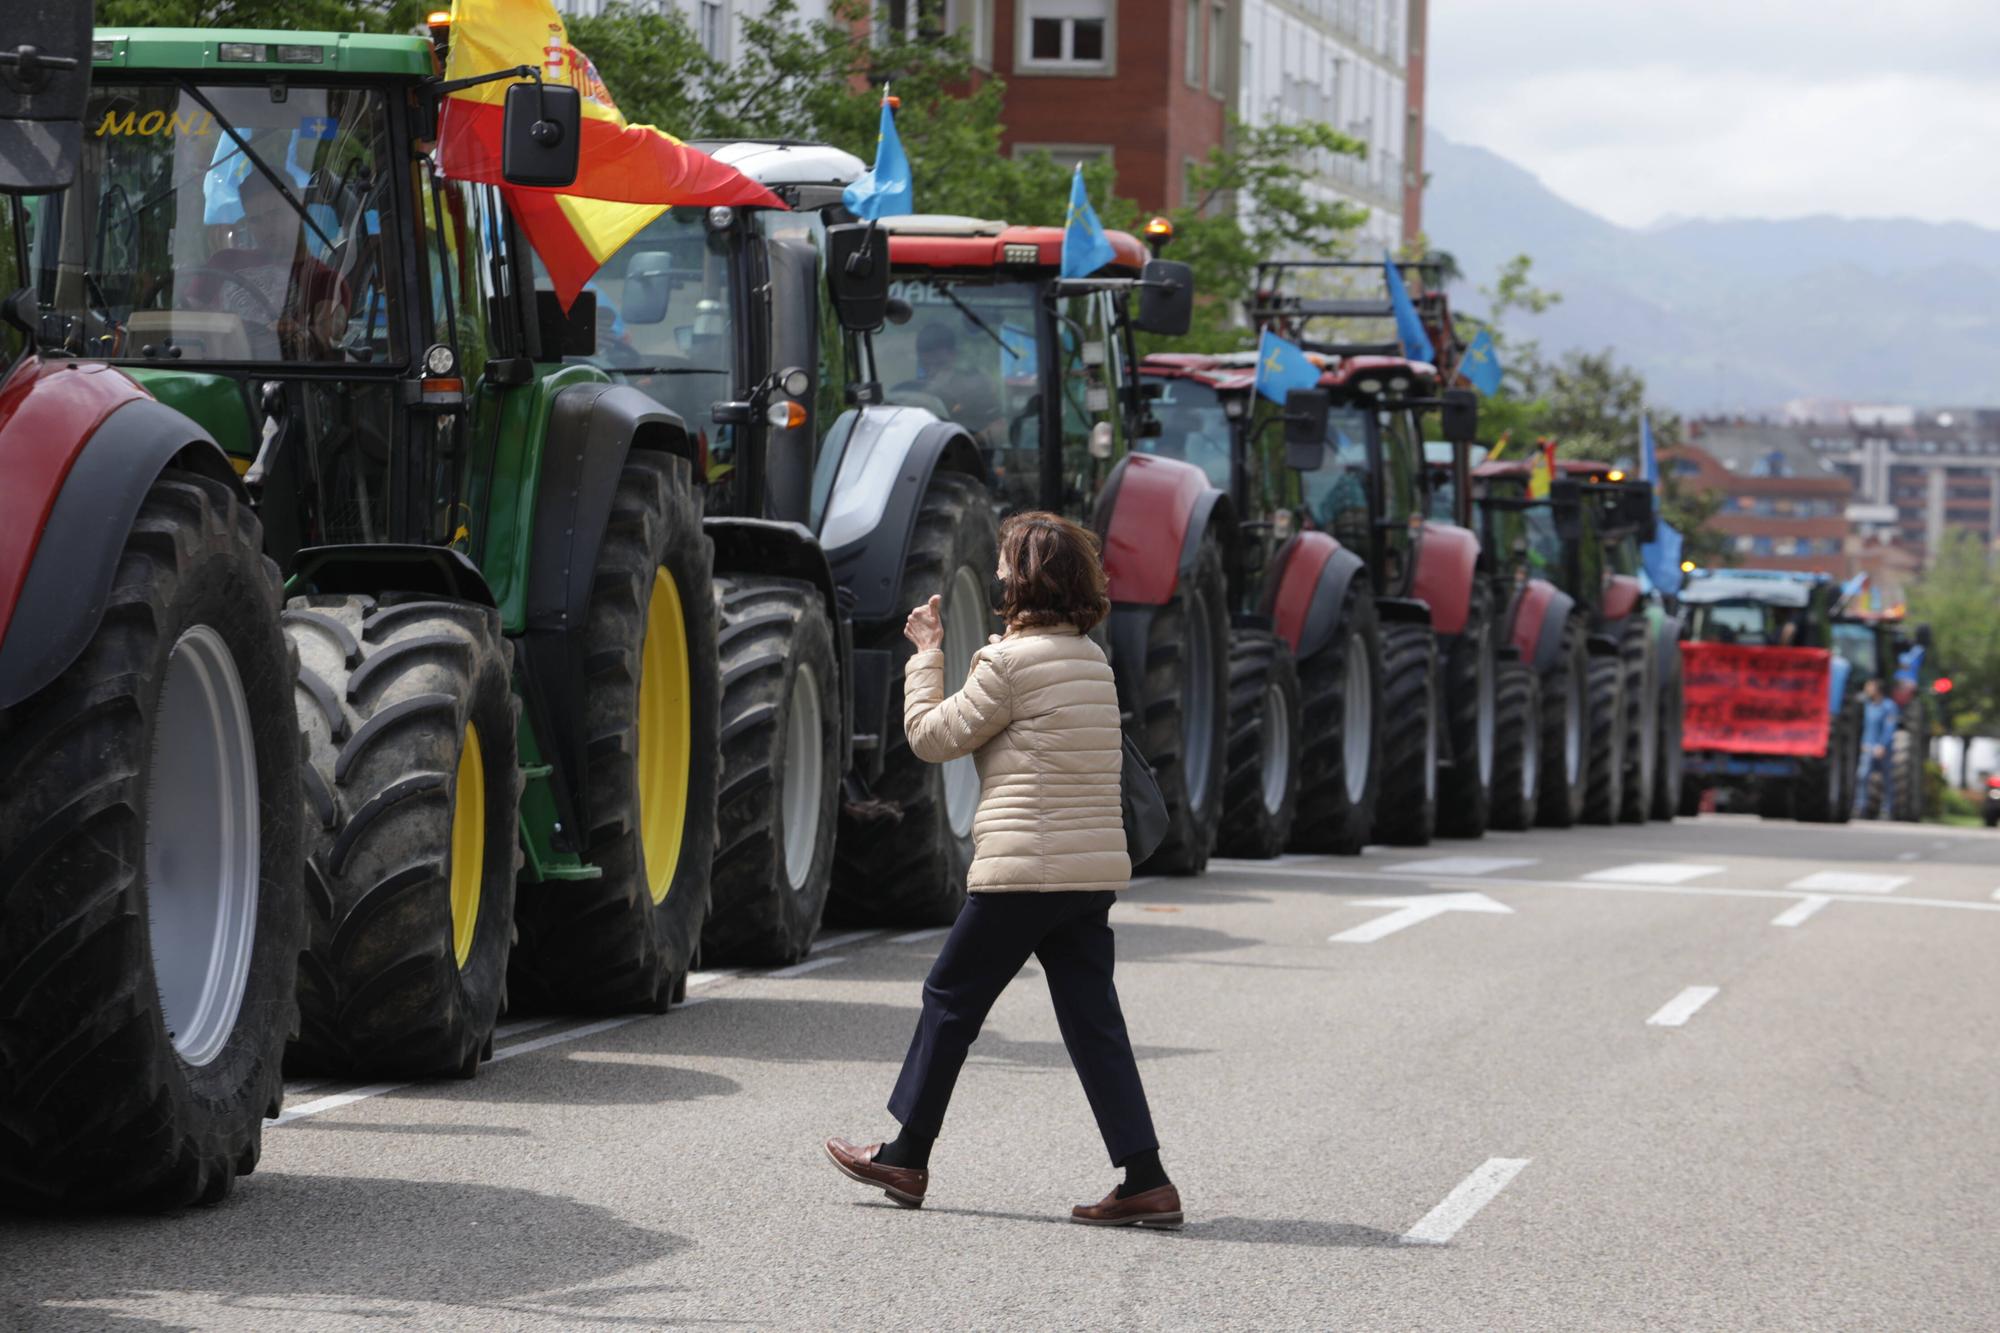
x=1653 y=872
x=1458 y=865
x=1677 y=1011
x=1460 y=1206
x=1841 y=881
x=1800 y=912
x=1409 y=911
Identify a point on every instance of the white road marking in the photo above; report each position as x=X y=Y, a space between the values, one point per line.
x=1841 y=881
x=336 y=1101
x=1460 y=1206
x=1458 y=865
x=1409 y=911
x=851 y=937
x=1802 y=911
x=1677 y=1011
x=1908 y=856
x=809 y=965
x=918 y=935
x=558 y=1038
x=508 y=1031
x=1653 y=872
x=1996 y=895
x=704 y=978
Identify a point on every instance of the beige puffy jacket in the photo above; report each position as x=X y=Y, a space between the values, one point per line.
x=1039 y=716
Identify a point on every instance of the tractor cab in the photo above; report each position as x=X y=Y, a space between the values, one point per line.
x=1764 y=608
x=1583 y=535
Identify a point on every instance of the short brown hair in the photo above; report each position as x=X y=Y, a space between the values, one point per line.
x=1054 y=576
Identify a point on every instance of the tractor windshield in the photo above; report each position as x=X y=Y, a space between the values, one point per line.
x=1335 y=494
x=1193 y=426
x=1855 y=641
x=666 y=315
x=224 y=223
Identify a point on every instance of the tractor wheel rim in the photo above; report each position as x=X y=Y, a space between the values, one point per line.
x=965 y=621
x=468 y=843
x=805 y=776
x=1277 y=749
x=1197 y=704
x=666 y=722
x=1357 y=720
x=202 y=845
x=1573 y=731
x=1488 y=704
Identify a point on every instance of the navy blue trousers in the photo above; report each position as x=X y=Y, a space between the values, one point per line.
x=1069 y=933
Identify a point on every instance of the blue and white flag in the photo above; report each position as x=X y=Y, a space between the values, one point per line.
x=1482 y=364
x=1661 y=558
x=1409 y=325
x=1282 y=367
x=1086 y=248
x=1649 y=458
x=885 y=189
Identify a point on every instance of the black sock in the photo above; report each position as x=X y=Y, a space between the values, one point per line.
x=910 y=1149
x=1142 y=1172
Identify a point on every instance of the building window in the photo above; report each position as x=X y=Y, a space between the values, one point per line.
x=928 y=20
x=1068 y=156
x=1191 y=65
x=1218 y=29
x=713 y=29
x=1065 y=35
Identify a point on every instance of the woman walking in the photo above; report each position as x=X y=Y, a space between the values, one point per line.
x=1039 y=715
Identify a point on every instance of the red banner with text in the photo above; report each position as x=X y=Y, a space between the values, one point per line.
x=1745 y=700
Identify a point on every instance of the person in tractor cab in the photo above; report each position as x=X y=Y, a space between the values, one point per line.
x=1878 y=732
x=293 y=307
x=968 y=397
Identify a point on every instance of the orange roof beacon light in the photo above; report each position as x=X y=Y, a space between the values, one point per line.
x=1615 y=474
x=1159 y=233
x=438 y=21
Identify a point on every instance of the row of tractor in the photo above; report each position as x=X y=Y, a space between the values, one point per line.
x=386 y=646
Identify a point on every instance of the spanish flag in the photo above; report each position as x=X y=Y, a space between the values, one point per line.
x=627 y=174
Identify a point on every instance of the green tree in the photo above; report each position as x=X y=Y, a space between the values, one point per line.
x=1959 y=598
x=298 y=15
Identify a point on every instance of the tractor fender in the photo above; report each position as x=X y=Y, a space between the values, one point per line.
x=1666 y=645
x=373 y=569
x=1310 y=576
x=75 y=467
x=871 y=512
x=781 y=549
x=1447 y=567
x=1621 y=596
x=1540 y=614
x=1151 y=506
x=1404 y=610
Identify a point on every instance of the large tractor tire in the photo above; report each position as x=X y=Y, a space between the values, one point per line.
x=1606 y=725
x=1905 y=780
x=1340 y=756
x=1667 y=769
x=1266 y=723
x=909 y=868
x=781 y=748
x=1471 y=704
x=414 y=787
x=1407 y=813
x=1565 y=730
x=1184 y=730
x=626 y=940
x=1642 y=719
x=1817 y=789
x=1691 y=794
x=1854 y=719
x=151 y=840
x=1517 y=748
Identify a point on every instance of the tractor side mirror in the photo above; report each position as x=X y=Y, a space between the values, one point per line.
x=648 y=286
x=857 y=273
x=1459 y=416
x=540 y=134
x=1166 y=298
x=1305 y=429
x=44 y=83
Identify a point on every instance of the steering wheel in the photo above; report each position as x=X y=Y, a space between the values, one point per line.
x=265 y=310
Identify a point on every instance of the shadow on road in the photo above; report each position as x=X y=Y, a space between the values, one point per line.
x=1236 y=1230
x=296 y=1243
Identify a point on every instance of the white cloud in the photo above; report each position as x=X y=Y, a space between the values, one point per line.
x=1766 y=108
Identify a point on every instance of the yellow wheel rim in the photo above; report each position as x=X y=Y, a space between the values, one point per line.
x=468 y=844
x=665 y=740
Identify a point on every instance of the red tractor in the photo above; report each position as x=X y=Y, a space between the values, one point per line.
x=1357 y=491
x=1043 y=371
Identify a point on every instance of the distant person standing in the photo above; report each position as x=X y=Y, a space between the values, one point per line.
x=1039 y=714
x=1879 y=718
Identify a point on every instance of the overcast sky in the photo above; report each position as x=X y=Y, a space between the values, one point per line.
x=1636 y=109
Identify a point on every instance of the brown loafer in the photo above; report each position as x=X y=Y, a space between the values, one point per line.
x=1159 y=1207
x=905 y=1185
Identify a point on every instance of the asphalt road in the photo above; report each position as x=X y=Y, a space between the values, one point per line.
x=1719 y=1074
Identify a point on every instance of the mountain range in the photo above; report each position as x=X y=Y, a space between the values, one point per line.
x=1733 y=314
